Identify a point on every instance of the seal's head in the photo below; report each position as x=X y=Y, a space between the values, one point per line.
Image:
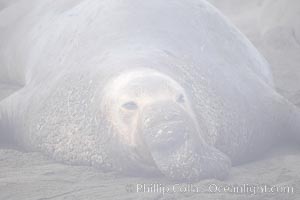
x=151 y=113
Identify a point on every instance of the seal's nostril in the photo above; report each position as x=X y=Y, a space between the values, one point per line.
x=130 y=105
x=180 y=99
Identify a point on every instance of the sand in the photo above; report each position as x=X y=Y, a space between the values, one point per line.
x=30 y=176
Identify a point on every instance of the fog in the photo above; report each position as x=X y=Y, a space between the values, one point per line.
x=149 y=100
x=272 y=28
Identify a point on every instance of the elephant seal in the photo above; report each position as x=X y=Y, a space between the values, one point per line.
x=140 y=87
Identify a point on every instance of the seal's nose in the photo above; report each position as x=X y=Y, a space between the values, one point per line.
x=163 y=113
x=167 y=124
x=176 y=147
x=162 y=136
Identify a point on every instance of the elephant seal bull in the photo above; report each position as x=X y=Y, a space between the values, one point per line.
x=167 y=87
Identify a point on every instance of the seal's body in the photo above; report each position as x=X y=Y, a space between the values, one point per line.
x=138 y=87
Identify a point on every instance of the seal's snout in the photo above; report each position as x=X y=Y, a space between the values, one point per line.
x=173 y=139
x=163 y=112
x=166 y=135
x=166 y=125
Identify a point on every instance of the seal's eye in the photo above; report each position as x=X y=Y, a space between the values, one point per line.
x=180 y=98
x=130 y=105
